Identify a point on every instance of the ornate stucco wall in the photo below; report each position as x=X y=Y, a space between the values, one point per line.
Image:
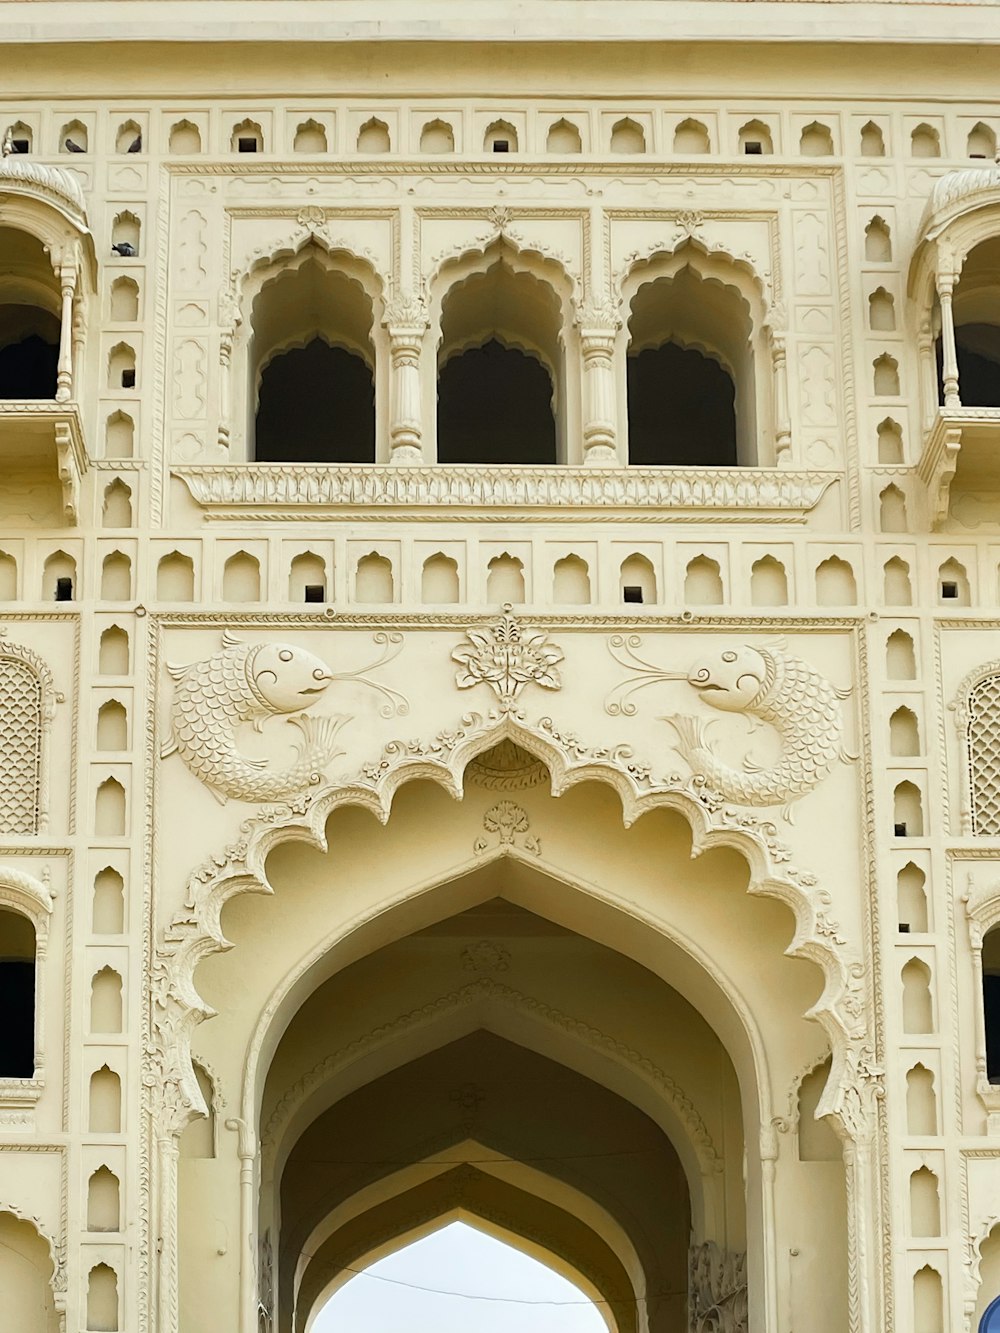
x=708 y=814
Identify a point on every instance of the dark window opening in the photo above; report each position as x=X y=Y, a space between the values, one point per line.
x=949 y=591
x=20 y=146
x=991 y=1006
x=899 y=830
x=904 y=927
x=631 y=593
x=681 y=409
x=316 y=405
x=978 y=353
x=128 y=379
x=246 y=145
x=17 y=1004
x=64 y=590
x=753 y=148
x=495 y=406
x=28 y=367
x=315 y=592
x=501 y=145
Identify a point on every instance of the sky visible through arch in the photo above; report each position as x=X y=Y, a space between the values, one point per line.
x=459 y=1258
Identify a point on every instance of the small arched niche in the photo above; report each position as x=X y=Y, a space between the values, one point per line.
x=835 y=583
x=129 y=138
x=885 y=376
x=102 y=1300
x=124 y=301
x=175 y=578
x=703 y=582
x=17 y=979
x=982 y=142
x=571 y=581
x=310 y=137
x=103 y=1201
x=697 y=378
x=904 y=733
x=307 y=578
x=921 y=1102
x=501 y=364
x=116 y=577
x=918 y=1007
x=881 y=311
x=907 y=810
x=768 y=582
x=59 y=577
x=890 y=441
x=29 y=318
x=113 y=653
x=925 y=1203
x=691 y=137
x=437 y=136
x=121 y=367
x=373 y=580
x=628 y=136
x=928 y=1301
x=816 y=140
x=439 y=580
x=126 y=233
x=953 y=584
x=22 y=138
x=116 y=511
x=896 y=588
x=247 y=137
x=892 y=509
x=878 y=241
x=872 y=140
x=563 y=137
x=8 y=577
x=105 y=1104
x=108 y=907
x=106 y=1001
x=110 y=809
x=911 y=899
x=900 y=657
x=185 y=139
x=112 y=726
x=312 y=361
x=925 y=141
x=373 y=138
x=74 y=137
x=119 y=436
x=755 y=139
x=199 y=1137
x=505 y=580
x=241 y=578
x=500 y=137
x=637 y=580
x=817 y=1141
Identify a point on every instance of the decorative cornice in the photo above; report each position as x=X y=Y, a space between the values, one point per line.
x=25 y=175
x=302 y=490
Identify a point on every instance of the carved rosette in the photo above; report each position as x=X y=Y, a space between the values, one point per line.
x=507 y=657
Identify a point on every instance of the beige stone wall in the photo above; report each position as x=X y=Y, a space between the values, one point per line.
x=704 y=934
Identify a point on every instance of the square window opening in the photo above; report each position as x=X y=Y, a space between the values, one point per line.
x=64 y=590
x=631 y=593
x=315 y=592
x=246 y=145
x=753 y=148
x=501 y=145
x=949 y=591
x=899 y=830
x=128 y=379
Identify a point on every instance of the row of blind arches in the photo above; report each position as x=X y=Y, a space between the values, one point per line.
x=562 y=136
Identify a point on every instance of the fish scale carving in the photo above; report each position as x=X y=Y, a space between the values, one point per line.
x=984 y=756
x=20 y=746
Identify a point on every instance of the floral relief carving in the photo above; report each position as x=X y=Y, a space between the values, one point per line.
x=485 y=956
x=506 y=656
x=717 y=1290
x=791 y=696
x=508 y=826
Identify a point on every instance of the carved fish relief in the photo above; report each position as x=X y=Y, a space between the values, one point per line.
x=250 y=683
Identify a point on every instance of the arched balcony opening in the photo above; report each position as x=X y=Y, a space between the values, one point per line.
x=17 y=995
x=500 y=369
x=977 y=329
x=312 y=365
x=694 y=371
x=29 y=318
x=991 y=1002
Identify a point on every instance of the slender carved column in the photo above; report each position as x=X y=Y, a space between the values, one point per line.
x=768 y=1172
x=64 y=373
x=857 y=1127
x=945 y=288
x=167 y=1158
x=406 y=323
x=247 y=1152
x=599 y=326
x=230 y=317
x=783 y=425
x=928 y=373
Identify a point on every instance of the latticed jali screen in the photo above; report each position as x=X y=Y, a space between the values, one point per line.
x=20 y=746
x=984 y=756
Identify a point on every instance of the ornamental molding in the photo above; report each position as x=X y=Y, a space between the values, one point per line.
x=172 y=1092
x=301 y=491
x=487 y=990
x=50 y=185
x=717 y=1290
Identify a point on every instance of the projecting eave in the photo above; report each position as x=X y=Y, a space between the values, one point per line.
x=637 y=21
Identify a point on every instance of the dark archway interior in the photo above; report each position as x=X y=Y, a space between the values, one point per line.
x=316 y=405
x=681 y=409
x=17 y=996
x=978 y=348
x=991 y=1003
x=29 y=353
x=495 y=406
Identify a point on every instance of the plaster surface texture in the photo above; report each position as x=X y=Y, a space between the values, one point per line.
x=570 y=804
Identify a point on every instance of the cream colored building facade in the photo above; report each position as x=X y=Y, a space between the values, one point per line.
x=412 y=808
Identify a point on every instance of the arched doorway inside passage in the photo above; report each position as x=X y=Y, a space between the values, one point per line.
x=617 y=899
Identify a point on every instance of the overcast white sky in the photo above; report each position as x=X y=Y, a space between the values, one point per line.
x=459 y=1258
